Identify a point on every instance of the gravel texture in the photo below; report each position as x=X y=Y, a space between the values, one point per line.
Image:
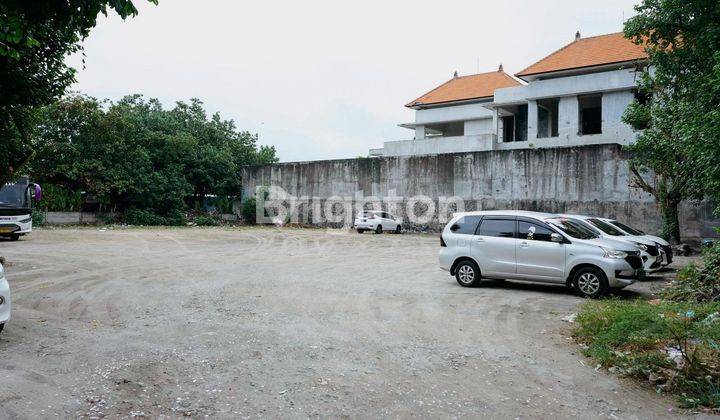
x=293 y=323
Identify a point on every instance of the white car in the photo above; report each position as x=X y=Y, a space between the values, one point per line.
x=4 y=299
x=665 y=248
x=537 y=247
x=377 y=221
x=649 y=250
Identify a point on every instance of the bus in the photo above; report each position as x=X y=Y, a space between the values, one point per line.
x=16 y=202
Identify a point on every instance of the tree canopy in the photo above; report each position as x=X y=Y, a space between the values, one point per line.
x=677 y=155
x=35 y=38
x=135 y=154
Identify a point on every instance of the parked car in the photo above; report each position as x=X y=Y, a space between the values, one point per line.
x=649 y=250
x=665 y=247
x=537 y=247
x=4 y=299
x=377 y=221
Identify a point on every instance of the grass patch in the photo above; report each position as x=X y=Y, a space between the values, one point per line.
x=675 y=346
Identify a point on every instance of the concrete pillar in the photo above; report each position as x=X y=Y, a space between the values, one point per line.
x=419 y=132
x=568 y=122
x=532 y=123
x=497 y=128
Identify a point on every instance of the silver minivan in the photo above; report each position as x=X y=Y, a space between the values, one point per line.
x=539 y=247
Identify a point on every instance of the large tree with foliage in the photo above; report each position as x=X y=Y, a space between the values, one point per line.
x=35 y=38
x=135 y=154
x=680 y=144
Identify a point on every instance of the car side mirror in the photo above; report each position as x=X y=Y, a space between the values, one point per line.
x=454 y=227
x=556 y=237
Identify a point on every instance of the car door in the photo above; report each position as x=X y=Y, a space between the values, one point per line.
x=390 y=223
x=493 y=246
x=538 y=257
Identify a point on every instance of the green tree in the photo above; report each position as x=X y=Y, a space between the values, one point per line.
x=676 y=155
x=35 y=38
x=135 y=154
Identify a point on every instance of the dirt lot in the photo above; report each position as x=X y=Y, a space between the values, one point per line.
x=286 y=323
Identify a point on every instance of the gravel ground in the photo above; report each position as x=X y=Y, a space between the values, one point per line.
x=230 y=323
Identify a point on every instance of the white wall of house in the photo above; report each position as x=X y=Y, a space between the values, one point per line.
x=474 y=127
x=482 y=130
x=452 y=113
x=606 y=81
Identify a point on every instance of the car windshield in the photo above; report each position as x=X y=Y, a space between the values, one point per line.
x=606 y=227
x=572 y=228
x=627 y=228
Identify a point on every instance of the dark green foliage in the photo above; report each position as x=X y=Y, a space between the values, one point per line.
x=147 y=218
x=698 y=283
x=38 y=218
x=35 y=38
x=635 y=337
x=134 y=154
x=59 y=199
x=249 y=211
x=206 y=220
x=680 y=143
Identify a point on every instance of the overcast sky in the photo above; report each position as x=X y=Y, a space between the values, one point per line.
x=324 y=79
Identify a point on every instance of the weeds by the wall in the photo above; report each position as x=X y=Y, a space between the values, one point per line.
x=674 y=346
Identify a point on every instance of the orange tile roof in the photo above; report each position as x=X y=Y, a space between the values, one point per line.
x=464 y=88
x=588 y=52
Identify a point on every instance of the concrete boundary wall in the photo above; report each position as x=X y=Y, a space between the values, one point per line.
x=588 y=179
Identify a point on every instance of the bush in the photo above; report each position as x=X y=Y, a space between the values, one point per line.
x=147 y=218
x=38 y=218
x=698 y=283
x=206 y=220
x=60 y=199
x=675 y=346
x=249 y=211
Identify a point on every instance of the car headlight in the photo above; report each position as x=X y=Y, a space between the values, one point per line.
x=613 y=253
x=26 y=220
x=642 y=247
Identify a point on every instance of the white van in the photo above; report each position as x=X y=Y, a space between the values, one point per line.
x=538 y=247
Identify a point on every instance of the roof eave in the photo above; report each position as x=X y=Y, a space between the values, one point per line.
x=529 y=77
x=419 y=105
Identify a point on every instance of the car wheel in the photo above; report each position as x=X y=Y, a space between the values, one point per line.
x=378 y=229
x=360 y=231
x=1 y=327
x=590 y=282
x=14 y=237
x=398 y=229
x=467 y=274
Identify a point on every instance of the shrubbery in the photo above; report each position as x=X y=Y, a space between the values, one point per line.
x=206 y=220
x=249 y=211
x=674 y=343
x=147 y=218
x=698 y=283
x=674 y=346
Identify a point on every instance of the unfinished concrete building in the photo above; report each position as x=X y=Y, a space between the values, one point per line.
x=573 y=97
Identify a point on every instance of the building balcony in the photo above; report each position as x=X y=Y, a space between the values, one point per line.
x=436 y=145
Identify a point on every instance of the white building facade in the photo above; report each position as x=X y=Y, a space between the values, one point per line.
x=575 y=96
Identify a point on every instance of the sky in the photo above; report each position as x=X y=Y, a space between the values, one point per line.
x=323 y=79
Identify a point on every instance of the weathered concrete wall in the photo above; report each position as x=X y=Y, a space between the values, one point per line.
x=70 y=218
x=588 y=180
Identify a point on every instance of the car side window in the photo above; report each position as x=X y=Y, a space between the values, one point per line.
x=501 y=228
x=534 y=231
x=466 y=225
